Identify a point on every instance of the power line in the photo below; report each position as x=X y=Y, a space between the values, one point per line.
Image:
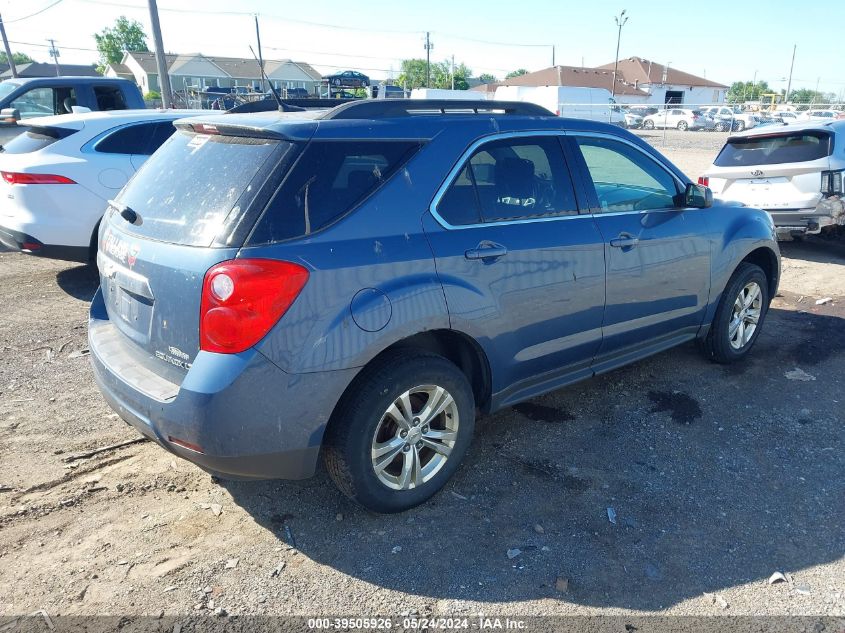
x=32 y=15
x=251 y=14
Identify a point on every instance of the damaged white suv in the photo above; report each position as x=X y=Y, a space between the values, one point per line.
x=793 y=172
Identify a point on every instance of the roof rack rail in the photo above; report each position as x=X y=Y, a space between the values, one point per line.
x=386 y=108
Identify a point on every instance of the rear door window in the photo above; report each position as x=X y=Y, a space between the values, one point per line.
x=131 y=139
x=511 y=179
x=774 y=149
x=328 y=180
x=186 y=191
x=109 y=98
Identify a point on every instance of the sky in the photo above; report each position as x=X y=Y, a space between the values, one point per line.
x=724 y=41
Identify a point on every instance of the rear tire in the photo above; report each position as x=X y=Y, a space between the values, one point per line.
x=743 y=306
x=389 y=459
x=739 y=126
x=682 y=126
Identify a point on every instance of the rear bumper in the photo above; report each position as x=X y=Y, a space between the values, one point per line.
x=247 y=418
x=26 y=243
x=829 y=212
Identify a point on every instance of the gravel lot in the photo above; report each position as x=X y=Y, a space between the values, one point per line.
x=717 y=477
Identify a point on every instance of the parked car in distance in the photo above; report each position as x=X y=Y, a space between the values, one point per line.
x=348 y=79
x=641 y=111
x=680 y=118
x=296 y=93
x=355 y=284
x=59 y=174
x=793 y=172
x=23 y=99
x=820 y=115
x=786 y=116
x=733 y=117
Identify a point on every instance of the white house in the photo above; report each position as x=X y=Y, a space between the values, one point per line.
x=638 y=80
x=200 y=71
x=666 y=84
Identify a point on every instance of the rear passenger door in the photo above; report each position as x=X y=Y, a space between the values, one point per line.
x=521 y=267
x=125 y=149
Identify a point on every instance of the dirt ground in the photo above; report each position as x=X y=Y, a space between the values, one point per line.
x=716 y=477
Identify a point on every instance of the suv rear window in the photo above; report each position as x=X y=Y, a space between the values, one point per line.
x=328 y=180
x=36 y=138
x=774 y=149
x=186 y=190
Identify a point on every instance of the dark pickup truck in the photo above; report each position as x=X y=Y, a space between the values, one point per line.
x=22 y=99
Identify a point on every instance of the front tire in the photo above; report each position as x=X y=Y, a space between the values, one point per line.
x=740 y=315
x=682 y=126
x=400 y=431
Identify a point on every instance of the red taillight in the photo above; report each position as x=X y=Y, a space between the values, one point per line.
x=17 y=178
x=243 y=298
x=704 y=180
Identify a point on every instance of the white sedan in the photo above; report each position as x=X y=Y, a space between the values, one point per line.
x=57 y=177
x=680 y=118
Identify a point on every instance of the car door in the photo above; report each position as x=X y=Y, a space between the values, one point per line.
x=658 y=255
x=522 y=269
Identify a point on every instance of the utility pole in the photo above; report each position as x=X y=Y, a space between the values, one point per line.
x=453 y=72
x=791 y=66
x=620 y=20
x=161 y=60
x=428 y=47
x=54 y=53
x=260 y=56
x=553 y=55
x=12 y=66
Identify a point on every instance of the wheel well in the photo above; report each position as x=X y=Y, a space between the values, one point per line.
x=460 y=349
x=768 y=261
x=92 y=250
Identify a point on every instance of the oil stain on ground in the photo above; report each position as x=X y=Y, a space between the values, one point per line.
x=542 y=413
x=680 y=406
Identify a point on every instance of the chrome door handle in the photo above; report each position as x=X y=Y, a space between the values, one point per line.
x=486 y=250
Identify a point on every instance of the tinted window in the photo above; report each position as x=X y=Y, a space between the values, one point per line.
x=132 y=139
x=109 y=98
x=626 y=179
x=795 y=147
x=327 y=181
x=511 y=179
x=35 y=138
x=187 y=189
x=161 y=132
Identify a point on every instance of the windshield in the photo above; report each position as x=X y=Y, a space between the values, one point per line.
x=797 y=147
x=187 y=189
x=7 y=88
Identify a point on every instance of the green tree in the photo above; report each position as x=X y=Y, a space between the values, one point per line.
x=487 y=78
x=516 y=73
x=413 y=74
x=805 y=95
x=125 y=35
x=20 y=58
x=747 y=91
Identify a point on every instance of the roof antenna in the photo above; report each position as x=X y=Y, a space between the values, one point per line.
x=283 y=107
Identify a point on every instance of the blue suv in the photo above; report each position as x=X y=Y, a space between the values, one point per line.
x=361 y=282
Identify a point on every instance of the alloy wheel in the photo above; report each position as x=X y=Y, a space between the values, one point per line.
x=745 y=316
x=415 y=436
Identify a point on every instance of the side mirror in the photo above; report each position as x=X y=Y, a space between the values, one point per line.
x=10 y=115
x=698 y=196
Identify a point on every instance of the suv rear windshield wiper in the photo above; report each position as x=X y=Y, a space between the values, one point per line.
x=126 y=212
